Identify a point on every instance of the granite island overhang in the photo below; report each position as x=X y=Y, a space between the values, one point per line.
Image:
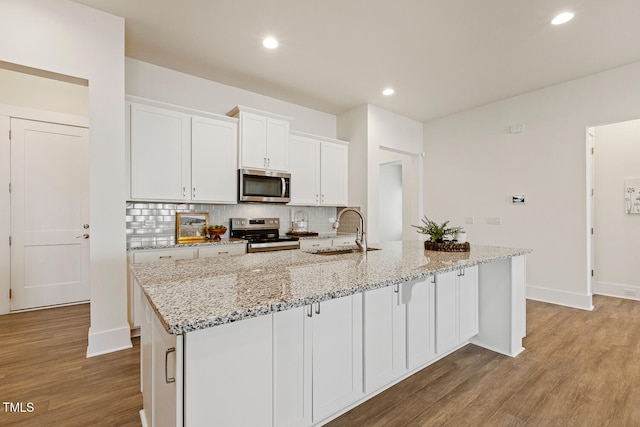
x=188 y=295
x=296 y=338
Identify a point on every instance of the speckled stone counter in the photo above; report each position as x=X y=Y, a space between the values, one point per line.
x=195 y=294
x=224 y=241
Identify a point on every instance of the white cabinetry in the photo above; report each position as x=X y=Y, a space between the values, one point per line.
x=419 y=299
x=264 y=139
x=327 y=336
x=159 y=153
x=175 y=155
x=161 y=373
x=384 y=336
x=307 y=244
x=456 y=296
x=319 y=170
x=218 y=250
x=228 y=374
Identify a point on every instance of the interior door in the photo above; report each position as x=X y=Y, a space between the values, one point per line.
x=49 y=214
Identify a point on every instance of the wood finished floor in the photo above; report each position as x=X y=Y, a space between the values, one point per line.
x=43 y=360
x=579 y=368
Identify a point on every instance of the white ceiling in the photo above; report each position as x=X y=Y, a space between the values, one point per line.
x=441 y=56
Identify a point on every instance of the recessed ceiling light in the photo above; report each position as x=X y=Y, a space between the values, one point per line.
x=388 y=91
x=270 y=43
x=562 y=18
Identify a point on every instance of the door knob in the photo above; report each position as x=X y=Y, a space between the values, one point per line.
x=84 y=236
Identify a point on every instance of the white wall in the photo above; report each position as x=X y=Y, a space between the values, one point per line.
x=370 y=128
x=473 y=166
x=390 y=208
x=617 y=234
x=25 y=90
x=70 y=39
x=173 y=87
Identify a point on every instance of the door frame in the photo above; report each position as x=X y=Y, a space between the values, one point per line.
x=11 y=111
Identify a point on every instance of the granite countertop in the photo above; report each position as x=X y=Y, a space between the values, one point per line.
x=224 y=241
x=189 y=295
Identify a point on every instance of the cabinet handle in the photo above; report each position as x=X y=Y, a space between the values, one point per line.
x=461 y=272
x=222 y=252
x=165 y=257
x=322 y=199
x=433 y=279
x=396 y=288
x=318 y=309
x=166 y=366
x=194 y=192
x=310 y=311
x=268 y=162
x=317 y=198
x=316 y=244
x=184 y=192
x=264 y=161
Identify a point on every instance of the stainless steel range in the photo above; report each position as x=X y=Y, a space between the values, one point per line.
x=262 y=234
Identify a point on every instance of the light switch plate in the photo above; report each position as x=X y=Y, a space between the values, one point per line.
x=493 y=220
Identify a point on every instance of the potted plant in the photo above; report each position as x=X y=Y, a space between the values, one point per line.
x=215 y=231
x=438 y=233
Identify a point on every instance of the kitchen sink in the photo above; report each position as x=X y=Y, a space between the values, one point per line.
x=342 y=251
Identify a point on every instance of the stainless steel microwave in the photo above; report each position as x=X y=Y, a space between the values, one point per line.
x=256 y=185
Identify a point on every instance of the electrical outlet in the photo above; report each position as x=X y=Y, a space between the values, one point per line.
x=493 y=220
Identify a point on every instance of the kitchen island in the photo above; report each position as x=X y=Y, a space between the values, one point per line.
x=296 y=338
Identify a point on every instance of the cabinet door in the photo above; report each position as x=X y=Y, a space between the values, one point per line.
x=335 y=356
x=304 y=162
x=333 y=174
x=306 y=244
x=214 y=175
x=146 y=357
x=468 y=303
x=159 y=153
x=277 y=145
x=344 y=241
x=228 y=374
x=219 y=250
x=167 y=379
x=253 y=141
x=447 y=329
x=291 y=368
x=383 y=332
x=419 y=300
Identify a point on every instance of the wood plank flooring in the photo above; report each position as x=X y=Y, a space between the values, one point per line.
x=579 y=368
x=43 y=361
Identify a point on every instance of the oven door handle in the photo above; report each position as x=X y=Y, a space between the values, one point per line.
x=284 y=187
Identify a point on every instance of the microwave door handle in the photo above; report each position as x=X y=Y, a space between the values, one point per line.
x=284 y=187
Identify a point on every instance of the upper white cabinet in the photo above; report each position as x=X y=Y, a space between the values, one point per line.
x=160 y=153
x=214 y=149
x=319 y=170
x=263 y=139
x=178 y=156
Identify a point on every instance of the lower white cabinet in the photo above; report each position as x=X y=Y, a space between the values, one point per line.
x=456 y=307
x=318 y=360
x=218 y=250
x=419 y=299
x=161 y=373
x=228 y=374
x=384 y=336
x=307 y=244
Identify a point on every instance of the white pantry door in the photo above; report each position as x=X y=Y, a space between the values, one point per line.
x=49 y=214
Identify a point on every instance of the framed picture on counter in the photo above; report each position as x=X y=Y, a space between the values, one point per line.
x=191 y=227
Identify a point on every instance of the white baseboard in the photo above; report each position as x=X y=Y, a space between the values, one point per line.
x=618 y=290
x=104 y=342
x=554 y=296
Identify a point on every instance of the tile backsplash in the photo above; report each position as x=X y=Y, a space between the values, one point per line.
x=150 y=224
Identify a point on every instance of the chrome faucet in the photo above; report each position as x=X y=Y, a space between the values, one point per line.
x=361 y=240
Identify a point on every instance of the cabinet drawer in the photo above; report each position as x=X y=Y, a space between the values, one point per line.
x=222 y=250
x=163 y=255
x=315 y=243
x=344 y=241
